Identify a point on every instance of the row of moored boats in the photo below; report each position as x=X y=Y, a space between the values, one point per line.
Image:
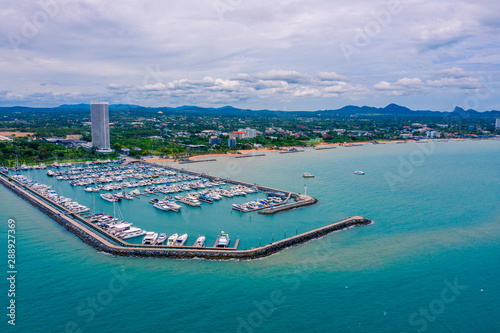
x=125 y=230
x=46 y=192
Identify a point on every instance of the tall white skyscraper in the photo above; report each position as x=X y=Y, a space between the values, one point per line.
x=100 y=124
x=497 y=123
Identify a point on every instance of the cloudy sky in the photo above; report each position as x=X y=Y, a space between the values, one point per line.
x=281 y=54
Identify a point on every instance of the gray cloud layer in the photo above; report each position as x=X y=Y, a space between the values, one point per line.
x=280 y=55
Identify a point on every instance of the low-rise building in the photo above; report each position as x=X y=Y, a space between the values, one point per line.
x=195 y=147
x=237 y=135
x=65 y=142
x=250 y=133
x=432 y=134
x=214 y=140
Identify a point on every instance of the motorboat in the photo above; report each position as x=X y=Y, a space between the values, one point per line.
x=150 y=238
x=223 y=240
x=357 y=172
x=161 y=205
x=181 y=240
x=132 y=233
x=192 y=201
x=205 y=198
x=172 y=239
x=161 y=239
x=200 y=242
x=173 y=206
x=110 y=197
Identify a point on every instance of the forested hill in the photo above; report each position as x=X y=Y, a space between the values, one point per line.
x=389 y=110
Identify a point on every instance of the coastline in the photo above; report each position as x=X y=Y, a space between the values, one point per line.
x=262 y=150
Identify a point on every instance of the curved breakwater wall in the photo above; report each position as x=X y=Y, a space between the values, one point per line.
x=101 y=243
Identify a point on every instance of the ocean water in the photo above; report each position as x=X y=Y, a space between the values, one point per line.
x=429 y=263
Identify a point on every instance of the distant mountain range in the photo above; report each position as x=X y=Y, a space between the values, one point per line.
x=389 y=110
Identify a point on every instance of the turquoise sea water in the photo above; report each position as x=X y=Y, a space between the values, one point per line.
x=437 y=224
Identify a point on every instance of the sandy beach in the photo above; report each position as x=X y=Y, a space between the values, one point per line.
x=261 y=150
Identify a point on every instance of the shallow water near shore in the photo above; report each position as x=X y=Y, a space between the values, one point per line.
x=436 y=223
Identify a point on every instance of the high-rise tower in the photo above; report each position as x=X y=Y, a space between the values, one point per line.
x=100 y=125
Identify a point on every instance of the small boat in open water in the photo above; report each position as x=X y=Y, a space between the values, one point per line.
x=357 y=172
x=307 y=175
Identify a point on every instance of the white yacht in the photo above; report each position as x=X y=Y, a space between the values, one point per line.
x=150 y=238
x=132 y=232
x=120 y=226
x=223 y=240
x=110 y=197
x=173 y=206
x=161 y=205
x=181 y=240
x=200 y=242
x=172 y=239
x=357 y=172
x=192 y=200
x=80 y=209
x=161 y=239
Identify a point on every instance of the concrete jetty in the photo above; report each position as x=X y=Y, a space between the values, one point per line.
x=302 y=202
x=247 y=156
x=197 y=161
x=97 y=238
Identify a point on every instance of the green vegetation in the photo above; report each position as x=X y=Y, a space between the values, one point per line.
x=170 y=132
x=36 y=152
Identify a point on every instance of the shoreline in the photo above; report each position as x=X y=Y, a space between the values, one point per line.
x=280 y=149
